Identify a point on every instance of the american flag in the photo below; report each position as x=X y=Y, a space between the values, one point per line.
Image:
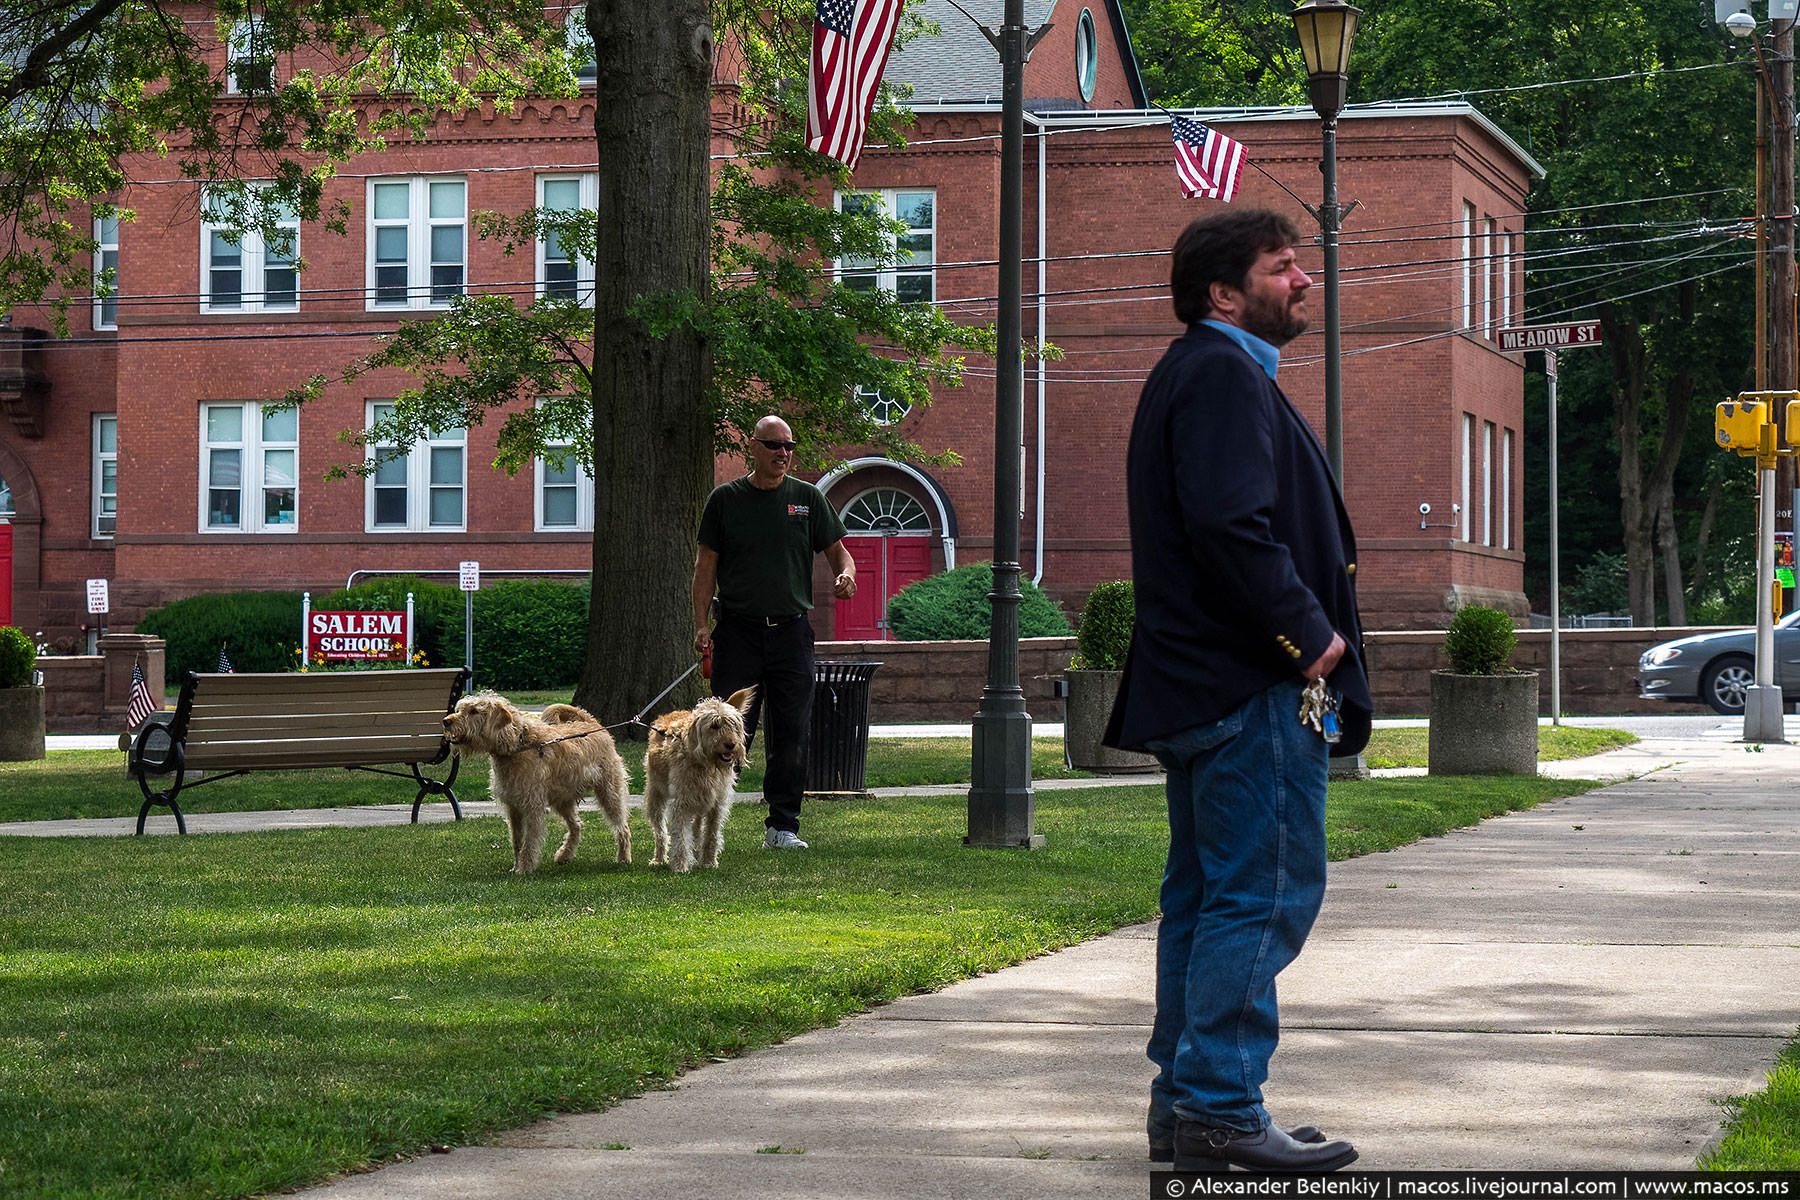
x=225 y=667
x=142 y=704
x=851 y=40
x=1207 y=161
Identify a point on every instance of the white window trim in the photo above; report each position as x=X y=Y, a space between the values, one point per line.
x=253 y=266
x=103 y=303
x=101 y=458
x=1468 y=265
x=1506 y=279
x=584 y=498
x=1487 y=483
x=887 y=279
x=1468 y=454
x=244 y=36
x=252 y=475
x=419 y=224
x=418 y=481
x=1488 y=255
x=575 y=34
x=584 y=270
x=1506 y=457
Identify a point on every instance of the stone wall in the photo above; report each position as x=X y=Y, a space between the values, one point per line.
x=943 y=681
x=89 y=693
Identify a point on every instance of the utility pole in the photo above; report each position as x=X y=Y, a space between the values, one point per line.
x=1781 y=257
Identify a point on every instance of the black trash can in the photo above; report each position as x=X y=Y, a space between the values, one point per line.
x=838 y=743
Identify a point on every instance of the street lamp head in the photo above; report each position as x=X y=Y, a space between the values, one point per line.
x=1741 y=24
x=1326 y=28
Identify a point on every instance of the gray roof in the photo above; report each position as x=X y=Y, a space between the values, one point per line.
x=958 y=64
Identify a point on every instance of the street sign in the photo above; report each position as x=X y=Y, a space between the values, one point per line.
x=98 y=601
x=1551 y=337
x=469 y=576
x=1550 y=363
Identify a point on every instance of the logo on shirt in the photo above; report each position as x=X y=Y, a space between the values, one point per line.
x=798 y=510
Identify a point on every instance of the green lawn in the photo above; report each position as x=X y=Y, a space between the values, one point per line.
x=1409 y=745
x=222 y=1015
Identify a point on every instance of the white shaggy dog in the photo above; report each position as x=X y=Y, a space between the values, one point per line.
x=542 y=763
x=689 y=770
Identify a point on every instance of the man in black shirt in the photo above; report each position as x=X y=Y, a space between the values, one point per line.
x=758 y=536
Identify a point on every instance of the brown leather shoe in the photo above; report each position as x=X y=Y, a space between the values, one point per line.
x=1213 y=1148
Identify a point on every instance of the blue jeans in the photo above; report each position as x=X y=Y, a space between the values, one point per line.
x=1244 y=881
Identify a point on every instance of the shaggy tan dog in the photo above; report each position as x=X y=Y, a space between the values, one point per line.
x=542 y=763
x=689 y=770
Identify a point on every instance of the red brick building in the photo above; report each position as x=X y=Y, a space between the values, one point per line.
x=135 y=450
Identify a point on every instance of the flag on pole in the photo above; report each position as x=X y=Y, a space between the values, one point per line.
x=142 y=703
x=1207 y=162
x=225 y=667
x=851 y=40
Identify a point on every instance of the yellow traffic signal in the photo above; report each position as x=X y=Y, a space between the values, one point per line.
x=1793 y=423
x=1738 y=424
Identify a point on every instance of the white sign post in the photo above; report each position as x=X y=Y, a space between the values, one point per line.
x=469 y=579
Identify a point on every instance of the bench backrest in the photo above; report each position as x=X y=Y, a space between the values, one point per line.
x=249 y=721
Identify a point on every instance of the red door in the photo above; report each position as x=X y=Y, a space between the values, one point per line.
x=884 y=565
x=6 y=573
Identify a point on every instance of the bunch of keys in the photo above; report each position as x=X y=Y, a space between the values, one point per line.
x=1319 y=708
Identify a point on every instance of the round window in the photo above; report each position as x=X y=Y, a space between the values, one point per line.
x=884 y=408
x=886 y=510
x=1087 y=54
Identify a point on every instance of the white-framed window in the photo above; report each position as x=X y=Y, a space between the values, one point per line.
x=910 y=279
x=1087 y=55
x=418 y=237
x=1506 y=489
x=884 y=408
x=1468 y=473
x=1506 y=277
x=1468 y=265
x=249 y=468
x=560 y=272
x=249 y=60
x=885 y=510
x=565 y=495
x=1489 y=255
x=422 y=490
x=106 y=273
x=105 y=476
x=1487 y=483
x=253 y=273
x=581 y=47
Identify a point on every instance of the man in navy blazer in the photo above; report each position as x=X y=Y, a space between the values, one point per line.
x=1243 y=564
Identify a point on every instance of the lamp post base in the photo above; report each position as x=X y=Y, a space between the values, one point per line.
x=1001 y=799
x=1763 y=715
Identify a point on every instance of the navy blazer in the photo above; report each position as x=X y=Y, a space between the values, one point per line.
x=1243 y=560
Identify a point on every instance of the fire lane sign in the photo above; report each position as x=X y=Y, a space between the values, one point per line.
x=1551 y=337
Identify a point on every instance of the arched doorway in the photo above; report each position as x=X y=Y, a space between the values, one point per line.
x=888 y=532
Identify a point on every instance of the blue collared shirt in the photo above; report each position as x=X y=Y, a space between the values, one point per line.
x=1267 y=357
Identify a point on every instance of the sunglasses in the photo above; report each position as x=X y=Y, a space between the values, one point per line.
x=771 y=444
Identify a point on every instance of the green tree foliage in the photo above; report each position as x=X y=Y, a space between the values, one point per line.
x=1196 y=53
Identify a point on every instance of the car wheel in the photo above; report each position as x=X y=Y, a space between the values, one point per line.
x=1726 y=682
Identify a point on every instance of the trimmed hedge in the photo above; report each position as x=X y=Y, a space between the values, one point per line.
x=18 y=657
x=1104 y=637
x=953 y=606
x=1480 y=641
x=529 y=634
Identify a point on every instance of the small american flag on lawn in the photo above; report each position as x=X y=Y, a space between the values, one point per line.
x=225 y=667
x=1207 y=161
x=142 y=704
x=851 y=40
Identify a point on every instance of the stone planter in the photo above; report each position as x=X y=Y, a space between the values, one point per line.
x=1089 y=707
x=1484 y=724
x=21 y=724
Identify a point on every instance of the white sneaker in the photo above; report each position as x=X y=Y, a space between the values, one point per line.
x=781 y=839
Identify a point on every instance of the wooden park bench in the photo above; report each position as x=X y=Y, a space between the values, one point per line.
x=233 y=724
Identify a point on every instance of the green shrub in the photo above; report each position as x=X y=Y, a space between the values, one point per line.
x=953 y=605
x=262 y=628
x=1104 y=636
x=529 y=634
x=18 y=657
x=1480 y=641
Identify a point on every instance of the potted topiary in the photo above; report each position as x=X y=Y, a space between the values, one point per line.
x=21 y=703
x=1483 y=711
x=1101 y=642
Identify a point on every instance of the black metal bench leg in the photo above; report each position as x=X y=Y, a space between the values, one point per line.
x=144 y=812
x=433 y=787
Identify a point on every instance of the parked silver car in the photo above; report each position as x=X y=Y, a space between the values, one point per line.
x=1717 y=668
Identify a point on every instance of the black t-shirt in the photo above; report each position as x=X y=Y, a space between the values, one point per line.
x=766 y=539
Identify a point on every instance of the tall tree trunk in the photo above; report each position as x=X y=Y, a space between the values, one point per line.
x=1669 y=544
x=652 y=431
x=1624 y=341
x=1702 y=540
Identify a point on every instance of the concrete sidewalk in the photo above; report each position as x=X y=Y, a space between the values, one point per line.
x=1571 y=987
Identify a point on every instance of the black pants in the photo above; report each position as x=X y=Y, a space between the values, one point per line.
x=778 y=659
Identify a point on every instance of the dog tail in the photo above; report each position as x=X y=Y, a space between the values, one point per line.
x=567 y=714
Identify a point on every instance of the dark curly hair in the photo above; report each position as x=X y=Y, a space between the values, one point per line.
x=1222 y=248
